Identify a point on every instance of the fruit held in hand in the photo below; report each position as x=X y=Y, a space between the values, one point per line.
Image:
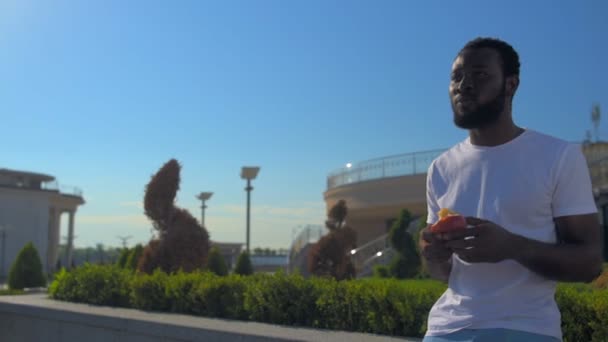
x=449 y=221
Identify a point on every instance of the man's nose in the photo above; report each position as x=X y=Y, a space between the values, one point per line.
x=466 y=84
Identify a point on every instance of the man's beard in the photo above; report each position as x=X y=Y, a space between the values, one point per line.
x=484 y=115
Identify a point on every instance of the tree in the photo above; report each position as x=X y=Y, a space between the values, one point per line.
x=100 y=252
x=26 y=271
x=134 y=257
x=330 y=257
x=406 y=263
x=595 y=118
x=124 y=256
x=337 y=215
x=243 y=264
x=181 y=242
x=216 y=263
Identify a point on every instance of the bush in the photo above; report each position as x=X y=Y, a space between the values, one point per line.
x=380 y=306
x=10 y=292
x=281 y=299
x=601 y=282
x=383 y=306
x=133 y=257
x=93 y=284
x=406 y=263
x=243 y=265
x=26 y=271
x=216 y=263
x=123 y=257
x=148 y=291
x=382 y=271
x=222 y=297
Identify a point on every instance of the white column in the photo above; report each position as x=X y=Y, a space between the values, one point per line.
x=50 y=266
x=54 y=243
x=70 y=239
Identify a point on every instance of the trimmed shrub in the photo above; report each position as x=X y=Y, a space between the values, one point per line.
x=222 y=297
x=216 y=263
x=330 y=257
x=148 y=291
x=123 y=257
x=382 y=271
x=601 y=282
x=93 y=284
x=406 y=263
x=134 y=257
x=182 y=244
x=26 y=270
x=281 y=299
x=243 y=265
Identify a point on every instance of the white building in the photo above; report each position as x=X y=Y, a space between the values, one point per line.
x=31 y=207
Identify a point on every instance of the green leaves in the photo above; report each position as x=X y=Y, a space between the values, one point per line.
x=26 y=270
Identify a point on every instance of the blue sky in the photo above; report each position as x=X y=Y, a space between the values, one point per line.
x=102 y=93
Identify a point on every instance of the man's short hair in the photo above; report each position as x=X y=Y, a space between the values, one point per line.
x=510 y=58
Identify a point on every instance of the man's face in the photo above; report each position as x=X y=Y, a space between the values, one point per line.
x=477 y=88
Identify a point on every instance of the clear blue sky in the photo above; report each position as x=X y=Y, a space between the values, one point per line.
x=102 y=93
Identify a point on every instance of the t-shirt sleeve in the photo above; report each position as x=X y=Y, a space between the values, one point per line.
x=573 y=194
x=431 y=200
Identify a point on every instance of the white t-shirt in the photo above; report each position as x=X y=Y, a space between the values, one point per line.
x=520 y=185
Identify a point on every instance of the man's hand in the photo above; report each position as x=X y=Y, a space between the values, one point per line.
x=436 y=256
x=485 y=241
x=433 y=248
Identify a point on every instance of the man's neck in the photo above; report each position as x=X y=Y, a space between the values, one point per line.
x=501 y=132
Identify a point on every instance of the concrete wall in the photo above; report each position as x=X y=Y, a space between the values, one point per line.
x=34 y=318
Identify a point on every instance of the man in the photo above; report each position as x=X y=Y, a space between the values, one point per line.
x=529 y=206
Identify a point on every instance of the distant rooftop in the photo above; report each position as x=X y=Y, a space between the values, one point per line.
x=32 y=176
x=35 y=181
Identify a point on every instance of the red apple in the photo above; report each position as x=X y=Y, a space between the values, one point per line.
x=449 y=223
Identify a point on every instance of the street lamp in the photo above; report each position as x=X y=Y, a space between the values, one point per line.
x=249 y=173
x=203 y=196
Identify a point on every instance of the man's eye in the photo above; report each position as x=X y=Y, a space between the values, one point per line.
x=456 y=77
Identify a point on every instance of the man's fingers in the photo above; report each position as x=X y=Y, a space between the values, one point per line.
x=427 y=236
x=461 y=234
x=459 y=244
x=474 y=221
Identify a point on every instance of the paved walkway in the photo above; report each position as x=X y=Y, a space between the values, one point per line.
x=172 y=326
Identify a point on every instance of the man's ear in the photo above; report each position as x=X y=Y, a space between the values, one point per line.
x=511 y=84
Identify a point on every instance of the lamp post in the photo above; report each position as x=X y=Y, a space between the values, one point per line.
x=203 y=196
x=249 y=173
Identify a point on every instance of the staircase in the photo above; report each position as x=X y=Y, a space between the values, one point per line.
x=376 y=252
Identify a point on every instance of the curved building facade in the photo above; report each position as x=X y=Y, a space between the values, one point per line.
x=377 y=190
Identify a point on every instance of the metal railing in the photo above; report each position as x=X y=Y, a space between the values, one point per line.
x=307 y=234
x=64 y=189
x=384 y=167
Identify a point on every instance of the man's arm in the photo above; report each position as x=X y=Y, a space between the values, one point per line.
x=577 y=257
x=436 y=257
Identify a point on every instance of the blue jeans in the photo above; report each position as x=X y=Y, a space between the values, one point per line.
x=491 y=335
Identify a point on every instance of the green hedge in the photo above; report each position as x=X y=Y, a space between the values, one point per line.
x=11 y=292
x=381 y=306
x=94 y=284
